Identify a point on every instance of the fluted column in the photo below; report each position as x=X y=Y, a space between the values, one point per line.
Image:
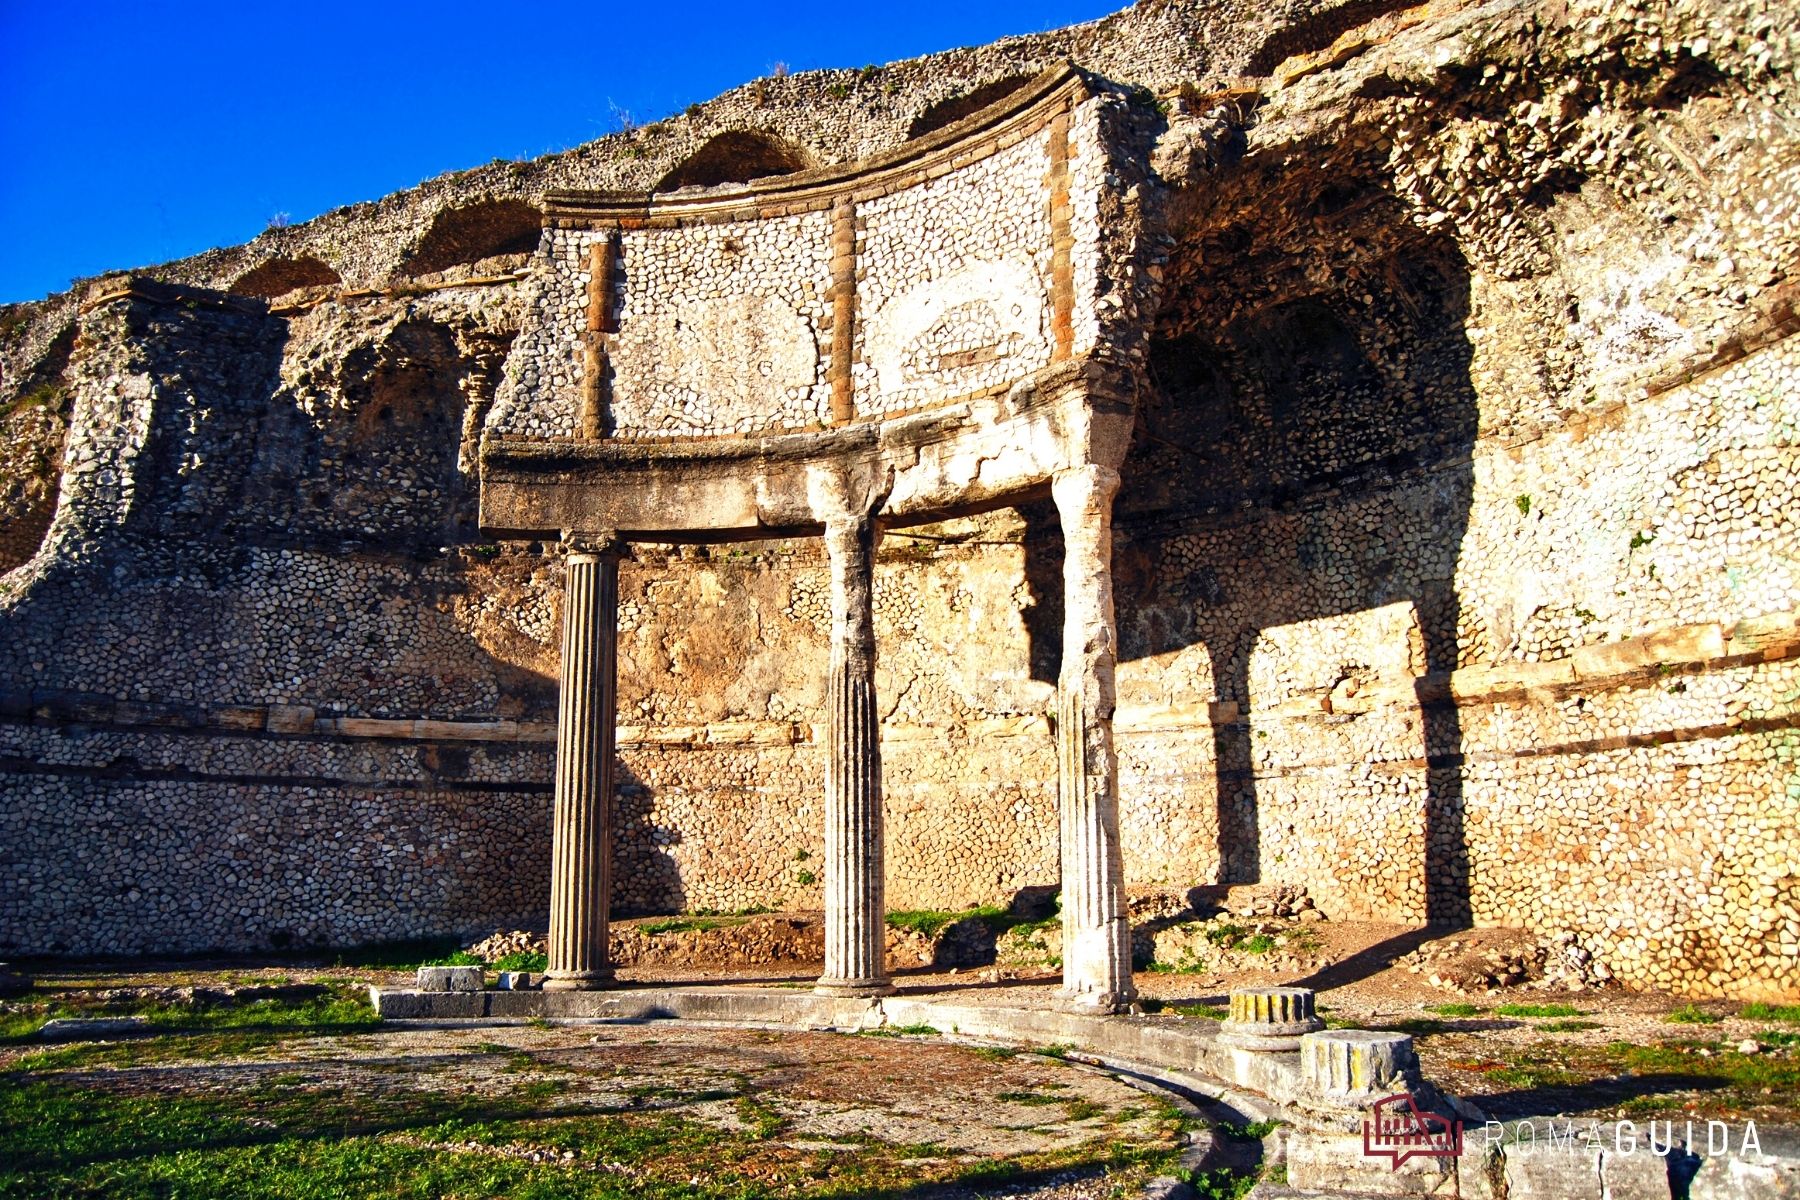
x=855 y=908
x=1096 y=933
x=587 y=707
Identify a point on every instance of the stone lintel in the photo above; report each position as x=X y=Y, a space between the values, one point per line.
x=943 y=462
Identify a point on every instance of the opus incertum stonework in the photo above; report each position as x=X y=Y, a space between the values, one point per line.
x=1339 y=445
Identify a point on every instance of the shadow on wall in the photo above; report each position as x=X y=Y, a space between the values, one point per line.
x=1303 y=460
x=646 y=879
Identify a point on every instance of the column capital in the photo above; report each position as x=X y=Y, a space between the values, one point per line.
x=592 y=543
x=1088 y=476
x=845 y=531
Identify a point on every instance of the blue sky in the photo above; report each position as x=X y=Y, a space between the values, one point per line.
x=131 y=134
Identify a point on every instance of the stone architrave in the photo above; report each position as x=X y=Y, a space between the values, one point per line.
x=581 y=834
x=1096 y=932
x=855 y=903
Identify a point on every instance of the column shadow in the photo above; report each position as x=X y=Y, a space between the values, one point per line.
x=1304 y=458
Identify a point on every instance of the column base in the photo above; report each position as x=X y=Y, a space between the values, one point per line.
x=578 y=981
x=853 y=989
x=1096 y=1004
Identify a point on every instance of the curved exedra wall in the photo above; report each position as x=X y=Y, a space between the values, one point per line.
x=1418 y=385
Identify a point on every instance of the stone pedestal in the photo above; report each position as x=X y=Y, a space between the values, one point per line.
x=581 y=837
x=855 y=907
x=1271 y=1019
x=1096 y=935
x=450 y=979
x=1355 y=1067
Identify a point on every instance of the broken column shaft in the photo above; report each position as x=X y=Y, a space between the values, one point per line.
x=1096 y=932
x=855 y=912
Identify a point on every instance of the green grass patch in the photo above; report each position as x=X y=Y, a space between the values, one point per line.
x=460 y=958
x=286 y=1141
x=1082 y=1110
x=22 y=1023
x=1748 y=1073
x=763 y=1120
x=47 y=396
x=1692 y=1014
x=1221 y=1183
x=1459 y=1008
x=926 y=922
x=522 y=960
x=1031 y=1098
x=929 y=922
x=1187 y=966
x=1206 y=1012
x=901 y=1031
x=1538 y=1010
x=1536 y=1075
x=1305 y=939
x=1254 y=1131
x=334 y=1008
x=1688 y=1077
x=1771 y=1012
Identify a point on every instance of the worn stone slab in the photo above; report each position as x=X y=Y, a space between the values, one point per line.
x=1136 y=1039
x=1750 y=1177
x=92 y=1029
x=1639 y=1175
x=1545 y=1171
x=725 y=1005
x=1337 y=1163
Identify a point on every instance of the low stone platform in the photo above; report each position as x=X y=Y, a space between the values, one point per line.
x=1182 y=1052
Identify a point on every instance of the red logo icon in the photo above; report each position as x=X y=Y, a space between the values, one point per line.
x=1396 y=1129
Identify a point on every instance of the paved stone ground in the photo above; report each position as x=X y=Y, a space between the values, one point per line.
x=785 y=1108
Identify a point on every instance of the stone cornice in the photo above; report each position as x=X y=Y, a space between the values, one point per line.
x=1004 y=123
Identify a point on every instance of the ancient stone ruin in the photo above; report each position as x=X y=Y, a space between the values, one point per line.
x=1342 y=445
